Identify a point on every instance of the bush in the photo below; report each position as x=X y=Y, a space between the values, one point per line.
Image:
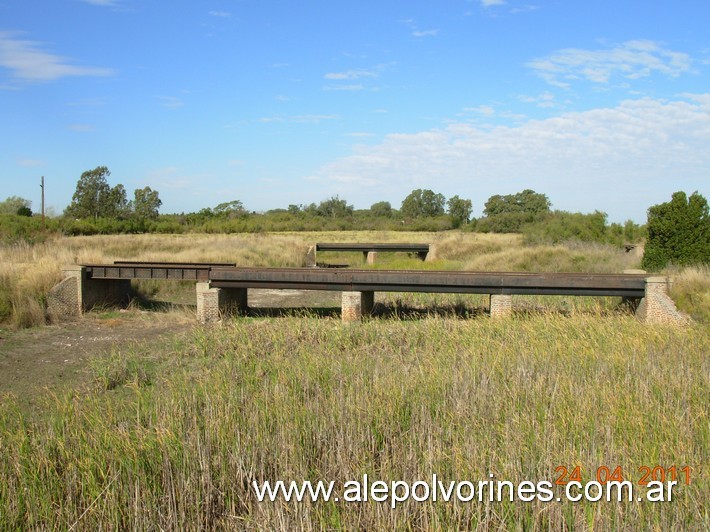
x=562 y=226
x=15 y=228
x=509 y=222
x=678 y=232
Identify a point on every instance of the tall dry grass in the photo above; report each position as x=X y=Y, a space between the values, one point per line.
x=173 y=435
x=24 y=285
x=690 y=290
x=27 y=272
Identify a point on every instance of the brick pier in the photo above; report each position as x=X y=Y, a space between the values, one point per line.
x=76 y=293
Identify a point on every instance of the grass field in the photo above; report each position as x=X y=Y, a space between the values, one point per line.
x=169 y=433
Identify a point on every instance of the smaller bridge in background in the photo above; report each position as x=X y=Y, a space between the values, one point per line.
x=368 y=250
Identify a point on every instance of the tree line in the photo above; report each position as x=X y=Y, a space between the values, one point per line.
x=677 y=232
x=95 y=198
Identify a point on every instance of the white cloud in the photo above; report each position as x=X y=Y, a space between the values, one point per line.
x=425 y=33
x=298 y=119
x=523 y=9
x=630 y=60
x=220 y=14
x=544 y=99
x=352 y=87
x=27 y=62
x=351 y=75
x=485 y=110
x=30 y=163
x=620 y=160
x=416 y=32
x=313 y=119
x=489 y=3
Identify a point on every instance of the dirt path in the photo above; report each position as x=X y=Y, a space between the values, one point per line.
x=42 y=360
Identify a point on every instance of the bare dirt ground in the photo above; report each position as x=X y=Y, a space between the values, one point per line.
x=55 y=358
x=45 y=360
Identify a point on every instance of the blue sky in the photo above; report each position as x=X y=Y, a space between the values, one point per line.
x=599 y=104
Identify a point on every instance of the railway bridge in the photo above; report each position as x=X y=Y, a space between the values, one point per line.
x=222 y=288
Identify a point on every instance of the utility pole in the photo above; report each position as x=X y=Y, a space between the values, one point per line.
x=44 y=228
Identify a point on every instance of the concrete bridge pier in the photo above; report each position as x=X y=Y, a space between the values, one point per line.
x=214 y=303
x=501 y=305
x=76 y=293
x=310 y=261
x=356 y=304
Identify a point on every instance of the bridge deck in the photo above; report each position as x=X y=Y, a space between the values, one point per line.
x=580 y=284
x=365 y=247
x=431 y=281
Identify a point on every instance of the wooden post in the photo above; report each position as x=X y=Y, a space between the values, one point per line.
x=42 y=187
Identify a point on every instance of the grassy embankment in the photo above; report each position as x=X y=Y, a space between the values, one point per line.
x=172 y=434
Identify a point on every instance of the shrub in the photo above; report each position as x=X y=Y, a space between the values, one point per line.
x=509 y=222
x=562 y=226
x=15 y=228
x=678 y=232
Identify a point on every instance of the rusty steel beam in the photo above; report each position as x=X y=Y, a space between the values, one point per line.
x=625 y=285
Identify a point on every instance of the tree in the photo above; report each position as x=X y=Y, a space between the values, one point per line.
x=117 y=204
x=16 y=205
x=527 y=201
x=423 y=204
x=146 y=203
x=459 y=210
x=230 y=209
x=381 y=209
x=334 y=208
x=632 y=231
x=94 y=197
x=509 y=213
x=678 y=232
x=311 y=209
